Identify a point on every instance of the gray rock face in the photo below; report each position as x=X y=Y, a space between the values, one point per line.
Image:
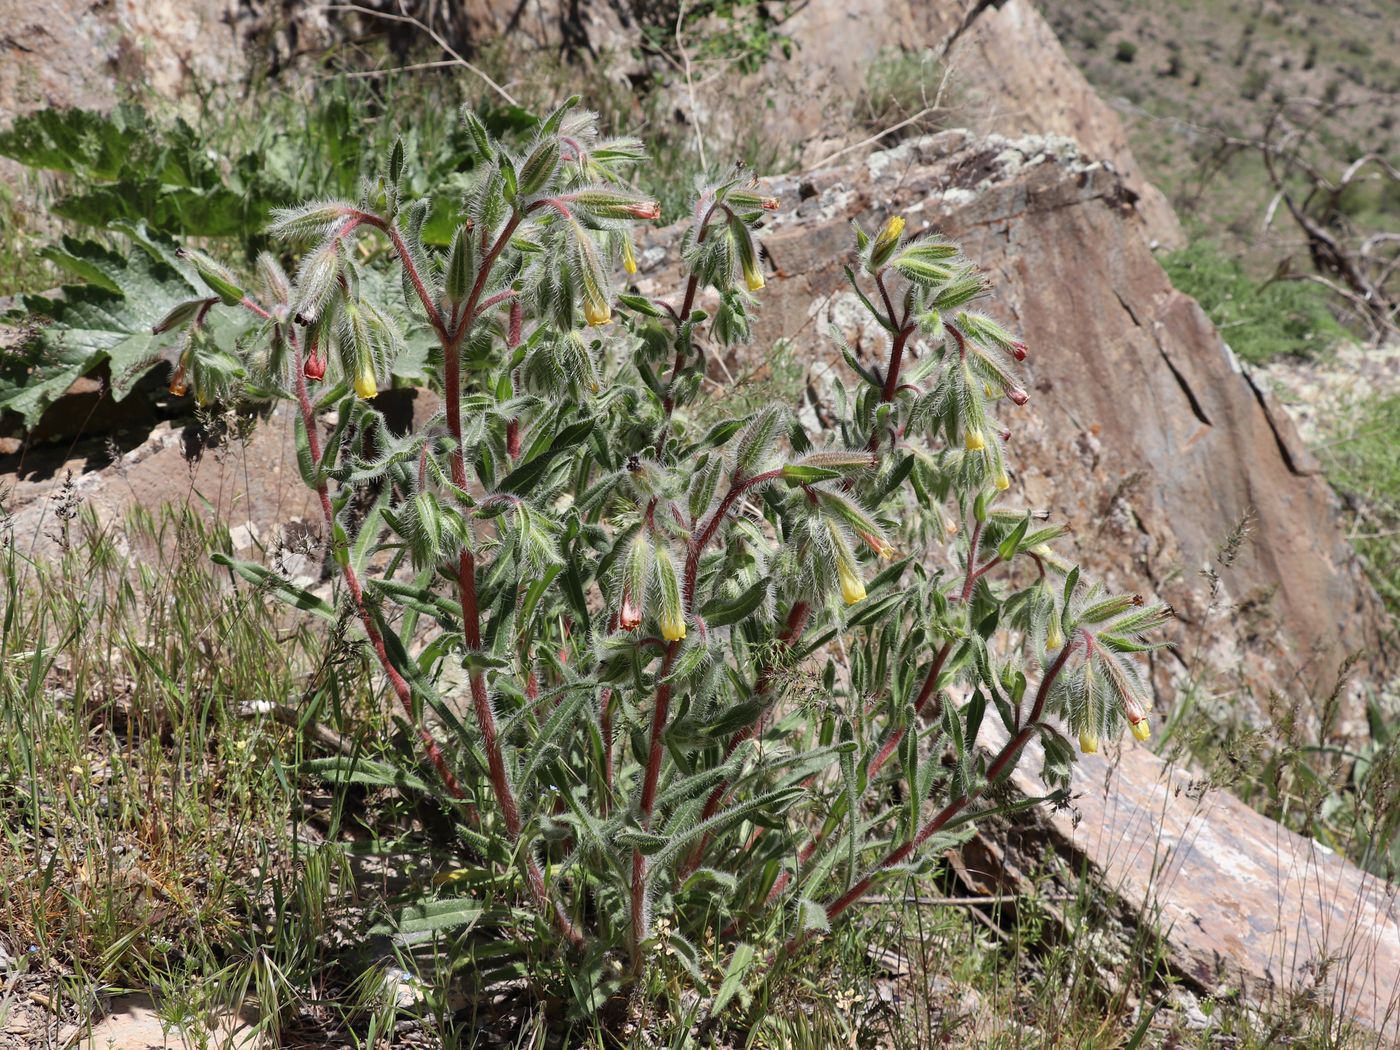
x=1243 y=905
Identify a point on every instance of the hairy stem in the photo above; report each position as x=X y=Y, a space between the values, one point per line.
x=652 y=776
x=792 y=630
x=926 y=691
x=352 y=582
x=1005 y=757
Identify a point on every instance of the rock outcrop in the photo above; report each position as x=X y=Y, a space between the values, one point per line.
x=1243 y=906
x=1143 y=431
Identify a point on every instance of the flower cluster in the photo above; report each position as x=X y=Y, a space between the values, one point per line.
x=715 y=663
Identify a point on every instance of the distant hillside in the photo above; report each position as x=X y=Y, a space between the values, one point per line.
x=1177 y=69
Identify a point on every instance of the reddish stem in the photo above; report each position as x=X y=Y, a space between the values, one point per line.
x=466 y=563
x=652 y=777
x=927 y=691
x=1004 y=758
x=706 y=532
x=352 y=581
x=792 y=630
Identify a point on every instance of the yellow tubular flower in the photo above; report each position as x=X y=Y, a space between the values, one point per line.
x=1054 y=637
x=365 y=385
x=629 y=261
x=596 y=313
x=1002 y=481
x=973 y=440
x=1088 y=742
x=852 y=586
x=753 y=276
x=886 y=240
x=672 y=625
x=1141 y=729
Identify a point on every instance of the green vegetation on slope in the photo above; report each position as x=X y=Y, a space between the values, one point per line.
x=1259 y=319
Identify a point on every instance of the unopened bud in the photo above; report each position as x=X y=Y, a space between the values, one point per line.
x=1054 y=635
x=629 y=617
x=1018 y=351
x=973 y=440
x=743 y=199
x=314 y=368
x=636 y=572
x=886 y=241
x=609 y=204
x=1018 y=395
x=881 y=547
x=629 y=261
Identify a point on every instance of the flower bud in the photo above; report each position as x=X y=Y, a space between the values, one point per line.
x=881 y=547
x=973 y=440
x=1054 y=634
x=1088 y=741
x=886 y=241
x=609 y=204
x=1018 y=396
x=314 y=369
x=539 y=167
x=636 y=571
x=1018 y=351
x=749 y=199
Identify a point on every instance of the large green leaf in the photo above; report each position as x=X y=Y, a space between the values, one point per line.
x=109 y=319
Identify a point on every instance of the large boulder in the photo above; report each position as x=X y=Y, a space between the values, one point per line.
x=1243 y=906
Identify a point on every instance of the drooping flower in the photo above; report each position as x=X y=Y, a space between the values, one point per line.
x=596 y=312
x=852 y=586
x=973 y=440
x=366 y=386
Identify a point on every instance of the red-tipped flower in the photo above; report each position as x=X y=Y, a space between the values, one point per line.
x=629 y=617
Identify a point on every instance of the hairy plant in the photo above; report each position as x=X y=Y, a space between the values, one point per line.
x=675 y=684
